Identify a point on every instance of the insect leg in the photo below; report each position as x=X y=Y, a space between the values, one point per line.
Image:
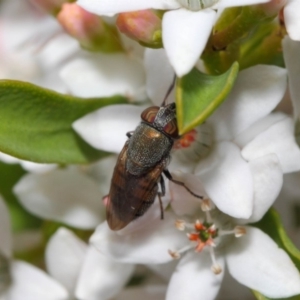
x=169 y=176
x=161 y=194
x=129 y=134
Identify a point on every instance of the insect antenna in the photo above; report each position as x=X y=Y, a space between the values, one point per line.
x=169 y=91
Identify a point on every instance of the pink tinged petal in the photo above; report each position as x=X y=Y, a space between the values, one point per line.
x=228 y=180
x=255 y=94
x=256 y=261
x=291 y=19
x=183 y=202
x=108 y=7
x=277 y=139
x=268 y=180
x=32 y=283
x=105 y=75
x=100 y=277
x=5 y=230
x=106 y=128
x=193 y=277
x=64 y=257
x=185 y=34
x=159 y=75
x=291 y=49
x=66 y=196
x=146 y=246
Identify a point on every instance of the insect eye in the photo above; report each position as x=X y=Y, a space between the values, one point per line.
x=171 y=129
x=149 y=114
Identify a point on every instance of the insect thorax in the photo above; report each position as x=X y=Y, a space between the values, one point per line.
x=147 y=147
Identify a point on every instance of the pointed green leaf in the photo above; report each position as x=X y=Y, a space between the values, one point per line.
x=35 y=124
x=198 y=95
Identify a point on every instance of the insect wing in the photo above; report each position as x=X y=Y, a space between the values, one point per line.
x=130 y=195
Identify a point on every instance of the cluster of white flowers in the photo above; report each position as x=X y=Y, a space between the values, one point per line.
x=237 y=160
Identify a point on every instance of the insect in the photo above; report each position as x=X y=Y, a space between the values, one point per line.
x=143 y=159
x=196 y=5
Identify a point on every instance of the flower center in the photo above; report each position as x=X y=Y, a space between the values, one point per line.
x=5 y=276
x=207 y=233
x=195 y=144
x=195 y=5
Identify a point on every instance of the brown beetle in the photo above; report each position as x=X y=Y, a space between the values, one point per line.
x=140 y=165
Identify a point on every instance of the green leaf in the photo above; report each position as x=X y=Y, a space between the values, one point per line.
x=20 y=218
x=35 y=124
x=198 y=95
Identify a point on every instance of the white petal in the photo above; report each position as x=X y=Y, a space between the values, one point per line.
x=255 y=129
x=104 y=75
x=277 y=139
x=183 y=202
x=148 y=292
x=291 y=19
x=231 y=3
x=291 y=49
x=146 y=246
x=268 y=180
x=102 y=172
x=32 y=283
x=255 y=94
x=5 y=230
x=37 y=168
x=63 y=195
x=185 y=34
x=106 y=128
x=64 y=256
x=159 y=75
x=8 y=159
x=256 y=261
x=193 y=277
x=108 y=7
x=100 y=277
x=227 y=179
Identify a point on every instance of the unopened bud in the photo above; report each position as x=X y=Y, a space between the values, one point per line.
x=143 y=26
x=89 y=29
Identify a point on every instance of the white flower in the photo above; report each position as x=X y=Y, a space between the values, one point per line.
x=84 y=272
x=186 y=27
x=251 y=256
x=20 y=280
x=248 y=140
x=71 y=196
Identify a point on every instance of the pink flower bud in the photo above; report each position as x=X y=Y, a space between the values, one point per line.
x=143 y=26
x=80 y=23
x=89 y=29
